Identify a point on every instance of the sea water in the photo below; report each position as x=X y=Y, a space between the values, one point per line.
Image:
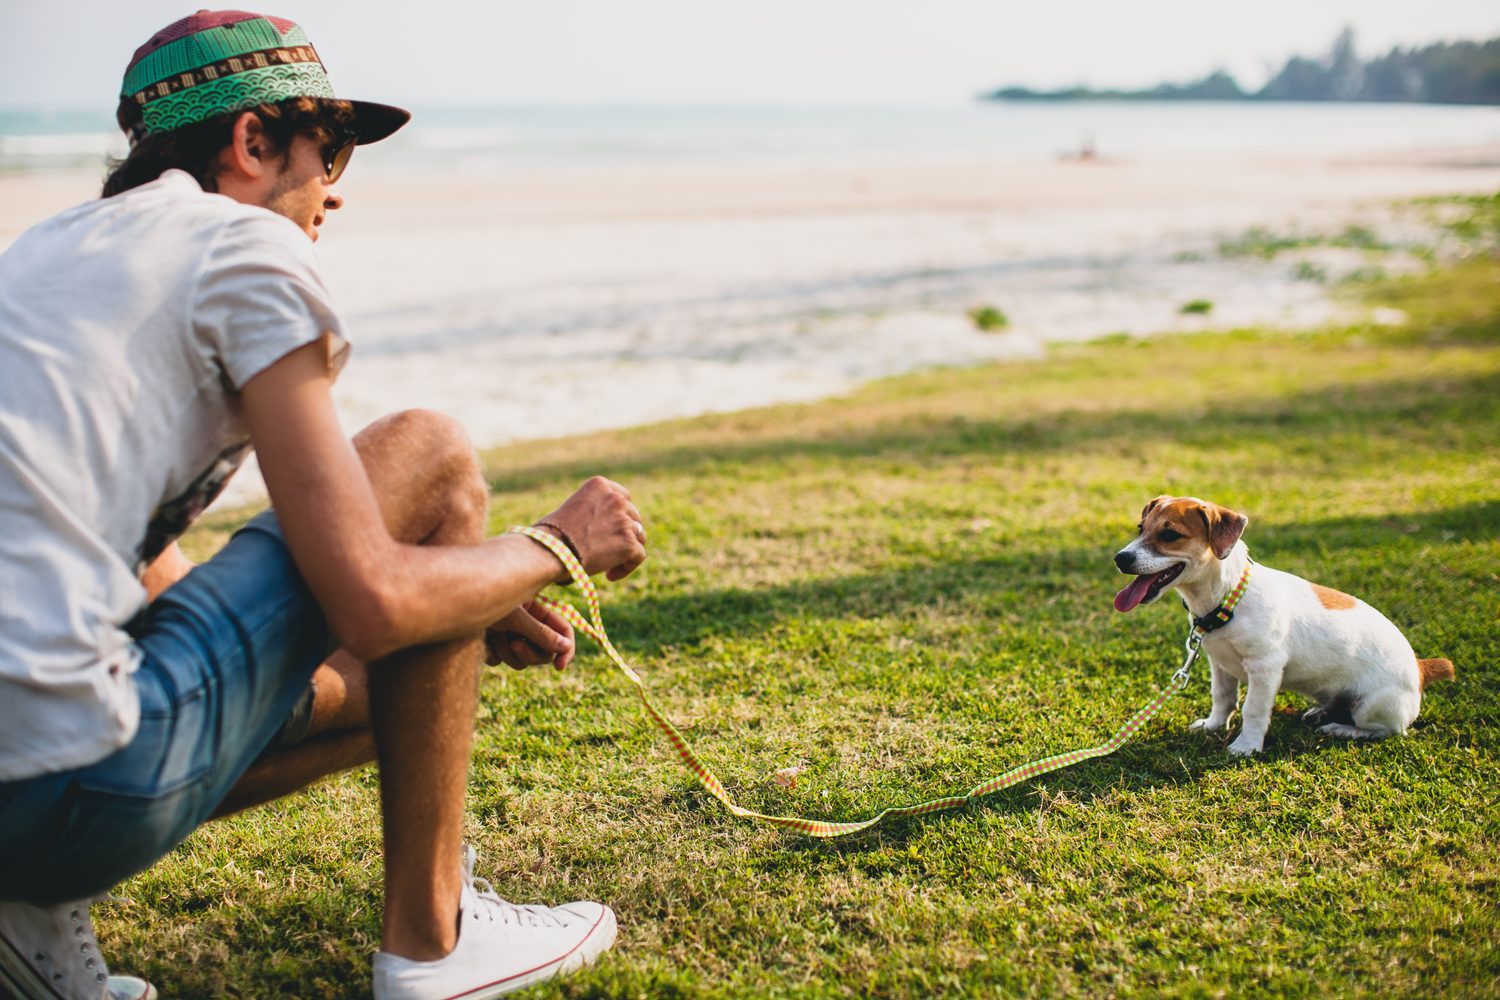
x=488 y=139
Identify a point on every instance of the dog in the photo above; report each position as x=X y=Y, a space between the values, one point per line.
x=1357 y=667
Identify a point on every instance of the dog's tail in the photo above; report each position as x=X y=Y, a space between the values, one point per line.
x=1435 y=670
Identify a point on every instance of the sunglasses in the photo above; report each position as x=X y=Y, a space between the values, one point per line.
x=337 y=150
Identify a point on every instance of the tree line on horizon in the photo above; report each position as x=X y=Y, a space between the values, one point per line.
x=1441 y=73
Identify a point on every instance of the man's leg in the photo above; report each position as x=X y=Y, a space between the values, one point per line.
x=421 y=710
x=338 y=738
x=421 y=701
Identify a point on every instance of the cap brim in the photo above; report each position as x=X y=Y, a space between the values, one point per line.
x=374 y=122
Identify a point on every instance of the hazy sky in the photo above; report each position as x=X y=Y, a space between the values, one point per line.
x=805 y=52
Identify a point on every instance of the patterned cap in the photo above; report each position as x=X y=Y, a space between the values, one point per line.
x=217 y=61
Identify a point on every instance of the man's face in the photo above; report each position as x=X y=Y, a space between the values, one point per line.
x=301 y=191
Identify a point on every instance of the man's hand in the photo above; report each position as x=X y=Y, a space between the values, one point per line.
x=528 y=636
x=605 y=527
x=165 y=570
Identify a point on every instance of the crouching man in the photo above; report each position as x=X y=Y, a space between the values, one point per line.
x=149 y=340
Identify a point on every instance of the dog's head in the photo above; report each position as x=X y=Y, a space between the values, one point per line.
x=1178 y=540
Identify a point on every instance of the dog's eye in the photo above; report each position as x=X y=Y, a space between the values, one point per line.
x=1168 y=535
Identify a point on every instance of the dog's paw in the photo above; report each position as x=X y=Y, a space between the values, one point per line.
x=1349 y=732
x=1209 y=725
x=1244 y=748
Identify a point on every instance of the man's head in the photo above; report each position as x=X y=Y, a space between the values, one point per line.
x=242 y=102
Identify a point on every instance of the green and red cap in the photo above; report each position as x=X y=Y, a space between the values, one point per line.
x=217 y=61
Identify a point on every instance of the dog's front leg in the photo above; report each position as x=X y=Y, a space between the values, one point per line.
x=1225 y=689
x=1262 y=681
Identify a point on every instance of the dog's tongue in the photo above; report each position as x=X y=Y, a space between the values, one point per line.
x=1134 y=592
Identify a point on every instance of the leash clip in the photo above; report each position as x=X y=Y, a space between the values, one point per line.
x=1193 y=646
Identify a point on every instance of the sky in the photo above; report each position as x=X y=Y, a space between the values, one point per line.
x=428 y=53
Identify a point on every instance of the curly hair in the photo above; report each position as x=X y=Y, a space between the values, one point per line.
x=195 y=148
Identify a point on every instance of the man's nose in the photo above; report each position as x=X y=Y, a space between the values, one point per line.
x=1125 y=560
x=333 y=200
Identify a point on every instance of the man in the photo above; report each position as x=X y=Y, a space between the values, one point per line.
x=148 y=340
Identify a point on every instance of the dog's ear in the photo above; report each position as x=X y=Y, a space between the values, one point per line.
x=1153 y=505
x=1224 y=526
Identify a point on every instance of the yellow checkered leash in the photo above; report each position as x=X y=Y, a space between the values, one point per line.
x=593 y=626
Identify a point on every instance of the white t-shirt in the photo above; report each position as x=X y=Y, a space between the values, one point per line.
x=128 y=325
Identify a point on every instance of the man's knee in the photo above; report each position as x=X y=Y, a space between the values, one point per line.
x=432 y=454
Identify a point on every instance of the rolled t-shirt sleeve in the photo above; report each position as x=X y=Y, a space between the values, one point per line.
x=260 y=296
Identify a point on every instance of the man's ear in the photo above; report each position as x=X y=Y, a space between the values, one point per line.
x=1225 y=527
x=247 y=155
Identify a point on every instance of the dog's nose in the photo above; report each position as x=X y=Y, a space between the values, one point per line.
x=1125 y=559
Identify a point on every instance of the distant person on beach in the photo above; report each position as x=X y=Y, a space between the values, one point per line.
x=149 y=340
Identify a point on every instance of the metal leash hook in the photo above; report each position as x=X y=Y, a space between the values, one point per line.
x=1194 y=646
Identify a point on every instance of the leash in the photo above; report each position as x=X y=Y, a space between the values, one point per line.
x=593 y=626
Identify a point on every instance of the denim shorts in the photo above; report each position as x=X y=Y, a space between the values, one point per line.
x=225 y=655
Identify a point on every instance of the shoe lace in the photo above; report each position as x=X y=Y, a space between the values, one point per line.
x=514 y=914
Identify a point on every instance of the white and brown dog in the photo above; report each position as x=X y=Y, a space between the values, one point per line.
x=1285 y=632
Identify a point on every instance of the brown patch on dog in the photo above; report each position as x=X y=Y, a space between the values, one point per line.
x=1435 y=670
x=1155 y=503
x=1333 y=600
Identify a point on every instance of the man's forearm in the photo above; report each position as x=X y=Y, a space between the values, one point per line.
x=431 y=593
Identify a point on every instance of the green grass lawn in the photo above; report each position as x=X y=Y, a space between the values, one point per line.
x=909 y=590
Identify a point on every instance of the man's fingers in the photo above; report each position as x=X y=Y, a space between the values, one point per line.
x=563 y=627
x=542 y=629
x=528 y=652
x=554 y=621
x=498 y=648
x=623 y=570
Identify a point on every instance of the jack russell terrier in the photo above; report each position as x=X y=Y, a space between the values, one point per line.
x=1284 y=632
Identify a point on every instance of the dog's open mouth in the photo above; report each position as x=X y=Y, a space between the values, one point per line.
x=1145 y=588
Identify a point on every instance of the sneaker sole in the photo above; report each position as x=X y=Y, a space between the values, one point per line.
x=604 y=930
x=150 y=993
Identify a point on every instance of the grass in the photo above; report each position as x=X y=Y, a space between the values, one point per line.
x=1196 y=307
x=908 y=590
x=1306 y=270
x=1265 y=244
x=1474 y=219
x=989 y=318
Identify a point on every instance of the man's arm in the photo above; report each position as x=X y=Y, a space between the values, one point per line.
x=165 y=570
x=380 y=595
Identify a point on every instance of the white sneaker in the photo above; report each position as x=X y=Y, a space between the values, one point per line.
x=50 y=953
x=501 y=947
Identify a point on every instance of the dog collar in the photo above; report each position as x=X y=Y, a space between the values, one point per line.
x=1220 y=616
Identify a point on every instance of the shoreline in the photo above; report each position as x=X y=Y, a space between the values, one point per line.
x=380 y=197
x=535 y=305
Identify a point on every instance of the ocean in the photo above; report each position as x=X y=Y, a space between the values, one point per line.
x=483 y=140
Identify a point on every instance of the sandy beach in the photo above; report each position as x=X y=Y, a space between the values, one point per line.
x=539 y=304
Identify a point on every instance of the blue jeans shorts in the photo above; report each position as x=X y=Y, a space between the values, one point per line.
x=226 y=654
